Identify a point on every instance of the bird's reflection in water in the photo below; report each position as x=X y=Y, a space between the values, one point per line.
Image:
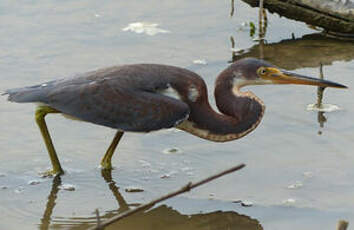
x=46 y=218
x=161 y=217
x=123 y=205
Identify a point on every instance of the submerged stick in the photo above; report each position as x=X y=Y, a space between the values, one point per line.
x=265 y=22
x=232 y=8
x=184 y=189
x=320 y=116
x=260 y=20
x=320 y=89
x=233 y=53
x=98 y=226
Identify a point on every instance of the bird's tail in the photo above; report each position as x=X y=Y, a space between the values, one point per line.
x=23 y=95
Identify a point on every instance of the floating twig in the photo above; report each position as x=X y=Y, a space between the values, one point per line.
x=184 y=189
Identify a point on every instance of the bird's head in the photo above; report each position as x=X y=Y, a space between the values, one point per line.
x=251 y=71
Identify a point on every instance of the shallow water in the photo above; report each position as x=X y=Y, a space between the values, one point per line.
x=44 y=40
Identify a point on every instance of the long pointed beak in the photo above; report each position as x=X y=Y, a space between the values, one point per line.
x=285 y=77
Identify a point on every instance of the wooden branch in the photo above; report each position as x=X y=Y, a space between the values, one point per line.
x=184 y=189
x=328 y=14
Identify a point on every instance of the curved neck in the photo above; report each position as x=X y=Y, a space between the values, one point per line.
x=241 y=113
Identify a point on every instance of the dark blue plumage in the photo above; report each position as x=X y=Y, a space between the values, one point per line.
x=127 y=97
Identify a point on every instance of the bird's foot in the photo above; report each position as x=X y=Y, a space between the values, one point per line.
x=51 y=173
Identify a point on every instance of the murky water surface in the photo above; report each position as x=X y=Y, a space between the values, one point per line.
x=299 y=172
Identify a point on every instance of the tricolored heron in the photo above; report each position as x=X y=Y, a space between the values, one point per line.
x=148 y=97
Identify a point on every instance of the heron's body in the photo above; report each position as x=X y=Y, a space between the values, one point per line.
x=148 y=97
x=144 y=98
x=127 y=98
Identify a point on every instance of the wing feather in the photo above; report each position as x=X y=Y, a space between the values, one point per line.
x=108 y=104
x=126 y=97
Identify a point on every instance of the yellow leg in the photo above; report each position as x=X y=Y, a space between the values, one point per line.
x=41 y=112
x=107 y=158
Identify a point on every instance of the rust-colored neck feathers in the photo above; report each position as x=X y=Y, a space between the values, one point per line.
x=241 y=112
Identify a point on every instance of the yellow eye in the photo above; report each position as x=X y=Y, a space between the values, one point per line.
x=262 y=71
